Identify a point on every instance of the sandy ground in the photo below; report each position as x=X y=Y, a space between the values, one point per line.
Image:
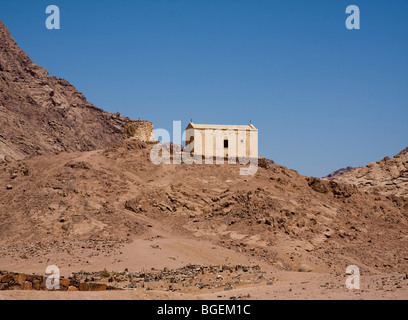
x=176 y=252
x=287 y=286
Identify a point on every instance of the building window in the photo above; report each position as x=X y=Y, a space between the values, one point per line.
x=225 y=144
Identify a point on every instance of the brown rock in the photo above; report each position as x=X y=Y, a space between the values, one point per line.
x=74 y=283
x=64 y=283
x=36 y=284
x=386 y=177
x=305 y=268
x=97 y=287
x=4 y=286
x=20 y=278
x=28 y=285
x=72 y=288
x=83 y=286
x=30 y=277
x=7 y=278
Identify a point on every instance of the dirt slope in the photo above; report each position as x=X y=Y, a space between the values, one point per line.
x=41 y=114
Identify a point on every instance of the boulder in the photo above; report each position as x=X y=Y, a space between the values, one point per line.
x=28 y=285
x=36 y=284
x=20 y=278
x=72 y=288
x=64 y=283
x=83 y=286
x=305 y=268
x=7 y=278
x=97 y=287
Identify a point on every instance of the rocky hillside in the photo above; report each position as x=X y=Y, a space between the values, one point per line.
x=40 y=114
x=388 y=176
x=54 y=204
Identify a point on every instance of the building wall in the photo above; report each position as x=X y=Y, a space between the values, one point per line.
x=142 y=130
x=241 y=143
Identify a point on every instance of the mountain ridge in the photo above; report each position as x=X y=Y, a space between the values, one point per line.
x=40 y=114
x=388 y=176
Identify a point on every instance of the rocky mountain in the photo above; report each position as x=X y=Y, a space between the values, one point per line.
x=388 y=176
x=40 y=114
x=338 y=173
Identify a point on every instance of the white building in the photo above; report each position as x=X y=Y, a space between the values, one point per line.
x=226 y=141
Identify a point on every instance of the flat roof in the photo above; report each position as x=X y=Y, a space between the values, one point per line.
x=222 y=126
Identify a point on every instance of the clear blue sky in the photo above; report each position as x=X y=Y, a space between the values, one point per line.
x=323 y=97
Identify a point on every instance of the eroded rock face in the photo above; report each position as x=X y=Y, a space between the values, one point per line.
x=388 y=176
x=40 y=114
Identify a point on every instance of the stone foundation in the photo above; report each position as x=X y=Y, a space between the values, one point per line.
x=142 y=130
x=21 y=281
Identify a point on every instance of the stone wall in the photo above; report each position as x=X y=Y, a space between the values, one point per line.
x=142 y=130
x=22 y=281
